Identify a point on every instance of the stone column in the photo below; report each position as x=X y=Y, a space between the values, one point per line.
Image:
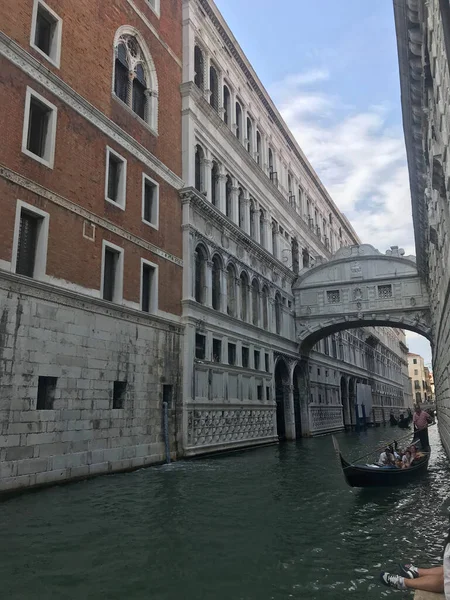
x=221 y=190
x=246 y=201
x=257 y=233
x=271 y=314
x=249 y=303
x=223 y=290
x=244 y=127
x=221 y=106
x=237 y=301
x=207 y=92
x=206 y=166
x=289 y=414
x=208 y=294
x=235 y=201
x=233 y=111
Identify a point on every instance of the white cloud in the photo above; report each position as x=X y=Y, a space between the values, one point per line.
x=358 y=155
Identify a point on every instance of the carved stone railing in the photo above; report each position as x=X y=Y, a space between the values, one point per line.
x=325 y=418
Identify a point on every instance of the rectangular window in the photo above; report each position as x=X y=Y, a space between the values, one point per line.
x=149 y=287
x=39 y=128
x=231 y=354
x=46 y=32
x=245 y=357
x=416 y=371
x=333 y=297
x=46 y=393
x=30 y=240
x=119 y=394
x=168 y=395
x=256 y=355
x=267 y=362
x=200 y=346
x=26 y=249
x=112 y=273
x=259 y=392
x=217 y=351
x=415 y=361
x=116 y=178
x=267 y=392
x=150 y=201
x=385 y=291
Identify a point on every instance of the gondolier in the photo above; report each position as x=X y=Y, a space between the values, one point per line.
x=421 y=420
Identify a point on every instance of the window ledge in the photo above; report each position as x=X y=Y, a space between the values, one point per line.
x=43 y=161
x=152 y=225
x=116 y=204
x=55 y=63
x=134 y=115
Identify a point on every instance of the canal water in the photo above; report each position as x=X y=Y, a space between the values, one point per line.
x=269 y=524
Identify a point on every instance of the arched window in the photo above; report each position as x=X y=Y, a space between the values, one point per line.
x=241 y=205
x=199 y=68
x=262 y=229
x=135 y=80
x=214 y=88
x=199 y=156
x=249 y=135
x=226 y=105
x=200 y=274
x=265 y=308
x=216 y=287
x=228 y=189
x=255 y=302
x=215 y=184
x=231 y=291
x=238 y=121
x=252 y=220
x=244 y=296
x=258 y=147
x=278 y=314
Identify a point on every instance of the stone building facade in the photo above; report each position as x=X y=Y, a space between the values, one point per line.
x=254 y=215
x=420 y=378
x=90 y=236
x=423 y=39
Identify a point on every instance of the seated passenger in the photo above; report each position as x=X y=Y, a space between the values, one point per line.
x=406 y=460
x=386 y=459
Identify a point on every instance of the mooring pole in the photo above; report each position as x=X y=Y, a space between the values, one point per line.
x=166 y=430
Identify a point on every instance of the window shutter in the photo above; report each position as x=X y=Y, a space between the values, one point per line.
x=26 y=251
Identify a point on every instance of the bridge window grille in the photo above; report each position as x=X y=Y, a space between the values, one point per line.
x=333 y=296
x=385 y=291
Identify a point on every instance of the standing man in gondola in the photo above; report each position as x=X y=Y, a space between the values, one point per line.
x=421 y=420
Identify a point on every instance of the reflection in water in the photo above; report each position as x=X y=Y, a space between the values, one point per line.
x=270 y=524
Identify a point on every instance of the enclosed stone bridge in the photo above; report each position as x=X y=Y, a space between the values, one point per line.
x=359 y=287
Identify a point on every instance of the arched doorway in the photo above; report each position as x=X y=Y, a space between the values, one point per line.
x=345 y=403
x=352 y=400
x=281 y=382
x=297 y=402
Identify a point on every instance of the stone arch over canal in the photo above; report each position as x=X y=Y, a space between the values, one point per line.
x=360 y=287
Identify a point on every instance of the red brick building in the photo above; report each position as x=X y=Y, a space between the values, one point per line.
x=90 y=235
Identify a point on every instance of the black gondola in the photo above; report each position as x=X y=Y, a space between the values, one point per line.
x=364 y=475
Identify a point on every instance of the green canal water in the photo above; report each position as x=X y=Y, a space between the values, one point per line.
x=269 y=524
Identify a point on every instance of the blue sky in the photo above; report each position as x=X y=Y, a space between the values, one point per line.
x=331 y=68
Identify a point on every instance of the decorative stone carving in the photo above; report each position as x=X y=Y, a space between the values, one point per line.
x=240 y=251
x=355 y=270
x=412 y=301
x=212 y=426
x=225 y=241
x=357 y=294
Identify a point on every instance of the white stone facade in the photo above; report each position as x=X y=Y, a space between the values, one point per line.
x=254 y=214
x=423 y=36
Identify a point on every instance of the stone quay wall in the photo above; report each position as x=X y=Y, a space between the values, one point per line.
x=86 y=345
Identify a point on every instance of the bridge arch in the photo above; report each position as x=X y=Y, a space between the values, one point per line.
x=360 y=287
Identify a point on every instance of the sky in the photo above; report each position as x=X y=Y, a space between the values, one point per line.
x=332 y=70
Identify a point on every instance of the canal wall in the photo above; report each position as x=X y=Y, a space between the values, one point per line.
x=62 y=414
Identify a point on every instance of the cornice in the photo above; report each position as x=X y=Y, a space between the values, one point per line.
x=408 y=20
x=101 y=222
x=191 y=195
x=274 y=115
x=19 y=57
x=45 y=291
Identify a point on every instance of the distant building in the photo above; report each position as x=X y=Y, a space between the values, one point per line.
x=420 y=379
